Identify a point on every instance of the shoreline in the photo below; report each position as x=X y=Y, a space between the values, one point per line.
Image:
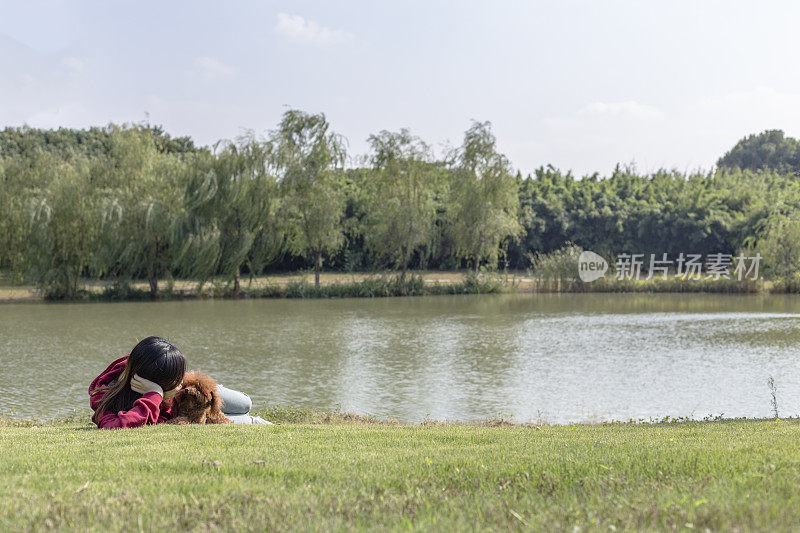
x=388 y=284
x=295 y=415
x=353 y=419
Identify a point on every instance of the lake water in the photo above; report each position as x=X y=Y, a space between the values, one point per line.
x=554 y=358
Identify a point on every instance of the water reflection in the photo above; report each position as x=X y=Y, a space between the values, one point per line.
x=555 y=357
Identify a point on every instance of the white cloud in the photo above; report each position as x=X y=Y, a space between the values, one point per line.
x=629 y=108
x=296 y=28
x=690 y=134
x=26 y=78
x=211 y=68
x=761 y=101
x=54 y=117
x=73 y=65
x=730 y=116
x=602 y=134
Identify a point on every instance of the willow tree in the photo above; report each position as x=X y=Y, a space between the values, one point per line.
x=307 y=155
x=198 y=235
x=231 y=200
x=13 y=220
x=62 y=235
x=400 y=203
x=779 y=245
x=142 y=220
x=259 y=197
x=483 y=200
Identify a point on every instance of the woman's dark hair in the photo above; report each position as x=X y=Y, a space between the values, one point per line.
x=153 y=358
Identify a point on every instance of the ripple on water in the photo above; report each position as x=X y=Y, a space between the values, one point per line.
x=559 y=358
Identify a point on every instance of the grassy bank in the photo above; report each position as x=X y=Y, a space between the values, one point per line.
x=297 y=285
x=372 y=285
x=715 y=475
x=673 y=284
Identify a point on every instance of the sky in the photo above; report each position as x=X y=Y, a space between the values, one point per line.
x=580 y=85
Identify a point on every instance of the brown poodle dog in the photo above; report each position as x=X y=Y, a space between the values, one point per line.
x=198 y=401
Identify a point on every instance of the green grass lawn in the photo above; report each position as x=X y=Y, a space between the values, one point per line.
x=715 y=475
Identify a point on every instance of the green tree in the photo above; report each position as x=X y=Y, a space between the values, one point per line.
x=400 y=200
x=482 y=207
x=767 y=150
x=307 y=157
x=144 y=215
x=780 y=245
x=63 y=233
x=13 y=220
x=91 y=142
x=232 y=198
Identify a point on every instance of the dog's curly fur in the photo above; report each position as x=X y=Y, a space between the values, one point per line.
x=198 y=401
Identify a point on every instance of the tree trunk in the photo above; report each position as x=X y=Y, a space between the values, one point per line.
x=477 y=263
x=236 y=282
x=153 y=280
x=317 y=267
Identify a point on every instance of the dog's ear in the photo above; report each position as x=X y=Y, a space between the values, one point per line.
x=216 y=399
x=208 y=396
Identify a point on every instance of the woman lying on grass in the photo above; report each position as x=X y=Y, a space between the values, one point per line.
x=137 y=389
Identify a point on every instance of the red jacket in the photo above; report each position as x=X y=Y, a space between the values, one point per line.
x=149 y=409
